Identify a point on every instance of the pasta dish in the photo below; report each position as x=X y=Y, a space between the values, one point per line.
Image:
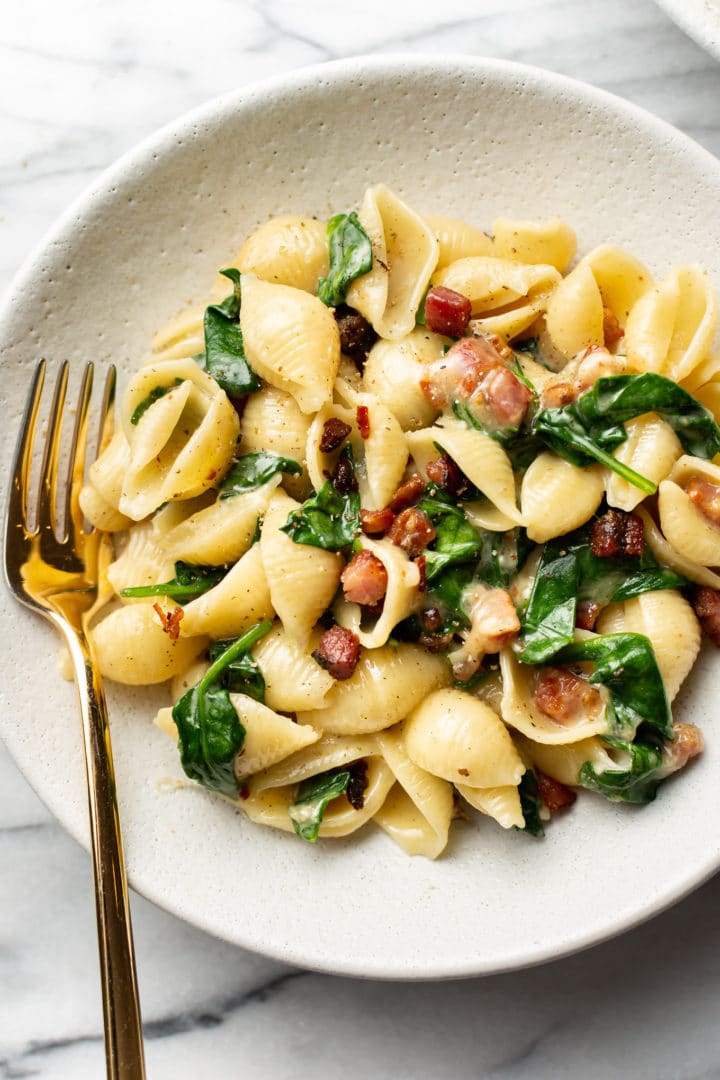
x=417 y=520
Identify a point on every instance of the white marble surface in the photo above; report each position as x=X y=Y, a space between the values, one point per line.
x=80 y=82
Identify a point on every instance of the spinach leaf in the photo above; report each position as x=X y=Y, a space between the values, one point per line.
x=242 y=675
x=253 y=470
x=210 y=735
x=446 y=591
x=350 y=257
x=636 y=784
x=313 y=796
x=189 y=581
x=156 y=393
x=549 y=621
x=329 y=519
x=531 y=804
x=626 y=665
x=225 y=358
x=456 y=540
x=590 y=428
x=568 y=572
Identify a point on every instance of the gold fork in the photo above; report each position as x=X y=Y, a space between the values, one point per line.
x=51 y=566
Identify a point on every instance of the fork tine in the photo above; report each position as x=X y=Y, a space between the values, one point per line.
x=46 y=513
x=76 y=461
x=17 y=511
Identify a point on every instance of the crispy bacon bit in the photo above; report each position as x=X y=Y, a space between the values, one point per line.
x=464 y=365
x=363 y=421
x=557 y=395
x=503 y=396
x=170 y=621
x=431 y=618
x=357 y=336
x=412 y=530
x=617 y=533
x=376 y=522
x=564 y=697
x=493 y=625
x=706 y=496
x=407 y=494
x=343 y=477
x=554 y=794
x=612 y=330
x=448 y=476
x=338 y=652
x=421 y=563
x=586 y=614
x=334 y=432
x=364 y=579
x=436 y=643
x=357 y=784
x=706 y=602
x=244 y=792
x=446 y=311
x=687 y=744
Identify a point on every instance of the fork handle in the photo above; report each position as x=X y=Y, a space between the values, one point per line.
x=121 y=1005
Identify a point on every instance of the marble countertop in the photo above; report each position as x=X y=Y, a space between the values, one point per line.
x=80 y=83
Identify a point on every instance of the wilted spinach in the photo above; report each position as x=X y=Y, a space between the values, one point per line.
x=251 y=471
x=350 y=257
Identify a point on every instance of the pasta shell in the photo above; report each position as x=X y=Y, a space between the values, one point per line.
x=393 y=371
x=386 y=685
x=405 y=253
x=557 y=496
x=287 y=250
x=293 y=680
x=484 y=462
x=131 y=647
x=269 y=737
x=550 y=242
x=401 y=596
x=291 y=340
x=272 y=420
x=418 y=810
x=651 y=449
x=222 y=532
x=232 y=606
x=457 y=239
x=500 y=803
x=302 y=579
x=456 y=736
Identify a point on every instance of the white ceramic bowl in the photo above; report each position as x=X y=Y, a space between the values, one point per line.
x=470 y=137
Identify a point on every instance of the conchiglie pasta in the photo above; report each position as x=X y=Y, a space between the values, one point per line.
x=557 y=496
x=132 y=647
x=401 y=596
x=100 y=497
x=269 y=737
x=502 y=804
x=651 y=449
x=302 y=579
x=668 y=620
x=232 y=606
x=393 y=371
x=291 y=340
x=683 y=523
x=666 y=554
x=506 y=296
x=287 y=250
x=460 y=738
x=563 y=763
x=386 y=685
x=294 y=681
x=184 y=440
x=483 y=461
x=671 y=329
x=184 y=336
x=405 y=254
x=141 y=561
x=222 y=532
x=417 y=811
x=551 y=242
x=520 y=710
x=457 y=239
x=273 y=420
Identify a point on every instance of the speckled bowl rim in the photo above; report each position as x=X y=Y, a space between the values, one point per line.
x=142 y=157
x=699 y=19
